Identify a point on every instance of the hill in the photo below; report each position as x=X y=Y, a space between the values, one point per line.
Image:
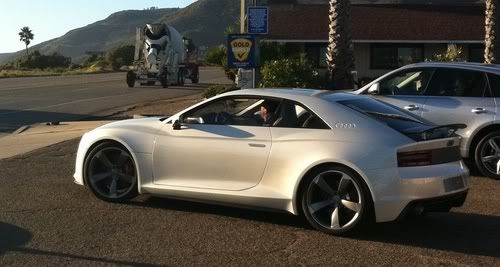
x=204 y=21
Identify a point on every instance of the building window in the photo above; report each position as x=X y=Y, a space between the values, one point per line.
x=392 y=56
x=476 y=53
x=322 y=57
x=316 y=54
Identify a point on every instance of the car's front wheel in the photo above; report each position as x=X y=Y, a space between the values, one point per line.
x=335 y=200
x=487 y=155
x=110 y=172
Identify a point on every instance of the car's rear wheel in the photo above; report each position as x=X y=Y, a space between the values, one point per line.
x=487 y=155
x=335 y=200
x=110 y=172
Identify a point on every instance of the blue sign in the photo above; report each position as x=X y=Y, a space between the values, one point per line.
x=258 y=20
x=241 y=51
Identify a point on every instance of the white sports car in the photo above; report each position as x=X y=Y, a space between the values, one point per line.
x=338 y=159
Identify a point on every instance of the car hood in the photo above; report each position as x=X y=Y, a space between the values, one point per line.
x=135 y=124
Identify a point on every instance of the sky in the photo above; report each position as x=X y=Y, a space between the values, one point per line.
x=52 y=18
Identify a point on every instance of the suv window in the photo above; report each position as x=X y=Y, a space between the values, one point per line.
x=410 y=82
x=494 y=84
x=456 y=82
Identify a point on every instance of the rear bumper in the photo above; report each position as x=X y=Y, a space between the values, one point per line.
x=437 y=204
x=398 y=189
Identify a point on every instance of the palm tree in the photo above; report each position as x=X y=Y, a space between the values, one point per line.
x=25 y=35
x=492 y=44
x=339 y=53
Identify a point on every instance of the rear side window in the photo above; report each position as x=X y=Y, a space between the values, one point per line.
x=456 y=82
x=392 y=116
x=494 y=84
x=293 y=115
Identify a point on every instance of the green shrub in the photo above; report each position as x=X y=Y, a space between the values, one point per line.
x=274 y=51
x=120 y=56
x=453 y=53
x=217 y=90
x=35 y=60
x=215 y=55
x=290 y=72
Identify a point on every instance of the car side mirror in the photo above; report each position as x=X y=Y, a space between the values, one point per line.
x=177 y=123
x=194 y=120
x=374 y=89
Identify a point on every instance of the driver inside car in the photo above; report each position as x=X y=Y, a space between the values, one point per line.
x=267 y=113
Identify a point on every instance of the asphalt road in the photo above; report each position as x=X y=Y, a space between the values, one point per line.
x=46 y=220
x=67 y=98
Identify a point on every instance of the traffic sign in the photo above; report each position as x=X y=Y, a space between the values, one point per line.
x=241 y=51
x=258 y=20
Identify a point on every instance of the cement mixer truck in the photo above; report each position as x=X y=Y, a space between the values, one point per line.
x=162 y=56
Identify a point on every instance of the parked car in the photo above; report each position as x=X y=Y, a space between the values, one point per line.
x=448 y=93
x=337 y=158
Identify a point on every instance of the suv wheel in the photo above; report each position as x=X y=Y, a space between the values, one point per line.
x=487 y=155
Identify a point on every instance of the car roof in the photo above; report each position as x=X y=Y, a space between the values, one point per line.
x=298 y=94
x=492 y=68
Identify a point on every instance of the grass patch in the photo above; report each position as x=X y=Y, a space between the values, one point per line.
x=217 y=89
x=50 y=72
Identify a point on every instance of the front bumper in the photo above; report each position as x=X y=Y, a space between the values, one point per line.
x=398 y=188
x=83 y=146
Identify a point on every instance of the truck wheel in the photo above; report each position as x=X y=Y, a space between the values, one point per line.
x=164 y=80
x=180 y=77
x=131 y=78
x=195 y=79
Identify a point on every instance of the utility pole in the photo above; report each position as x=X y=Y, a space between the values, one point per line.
x=243 y=30
x=242 y=15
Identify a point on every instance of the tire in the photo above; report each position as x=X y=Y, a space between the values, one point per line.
x=180 y=77
x=327 y=210
x=164 y=80
x=110 y=172
x=195 y=79
x=131 y=78
x=487 y=155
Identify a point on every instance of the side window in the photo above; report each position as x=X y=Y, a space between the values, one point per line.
x=243 y=111
x=293 y=115
x=494 y=84
x=456 y=82
x=413 y=82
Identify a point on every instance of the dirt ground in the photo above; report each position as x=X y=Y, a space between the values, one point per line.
x=163 y=107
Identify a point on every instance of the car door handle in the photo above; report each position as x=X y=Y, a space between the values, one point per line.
x=411 y=107
x=256 y=145
x=479 y=110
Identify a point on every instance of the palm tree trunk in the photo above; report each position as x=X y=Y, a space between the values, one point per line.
x=339 y=53
x=491 y=27
x=27 y=52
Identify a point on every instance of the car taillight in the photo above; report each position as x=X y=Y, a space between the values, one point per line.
x=429 y=157
x=415 y=158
